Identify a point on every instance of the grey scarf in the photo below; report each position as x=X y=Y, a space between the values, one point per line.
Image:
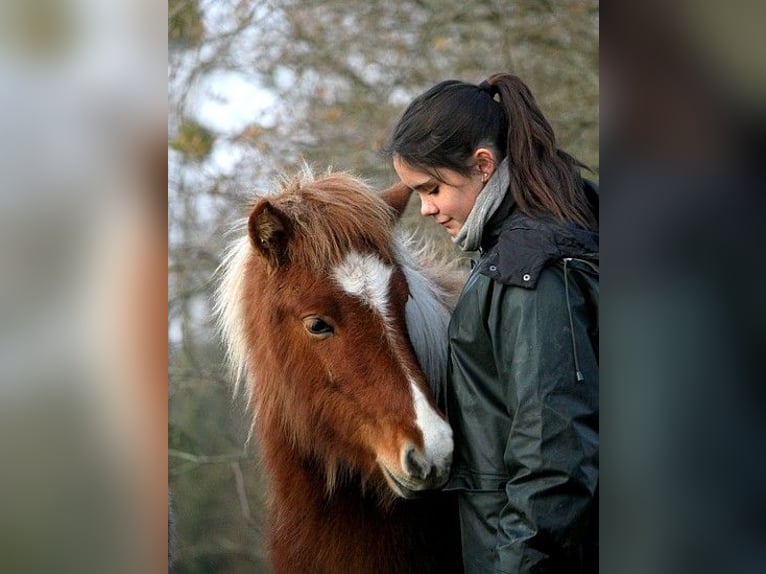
x=487 y=202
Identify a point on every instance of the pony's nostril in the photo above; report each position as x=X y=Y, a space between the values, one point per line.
x=414 y=464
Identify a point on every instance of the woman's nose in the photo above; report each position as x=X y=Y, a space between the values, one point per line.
x=427 y=207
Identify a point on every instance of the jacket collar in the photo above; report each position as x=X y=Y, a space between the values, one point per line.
x=516 y=247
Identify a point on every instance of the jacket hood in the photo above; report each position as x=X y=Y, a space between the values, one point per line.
x=516 y=247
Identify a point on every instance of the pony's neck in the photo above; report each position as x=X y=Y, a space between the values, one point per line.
x=364 y=536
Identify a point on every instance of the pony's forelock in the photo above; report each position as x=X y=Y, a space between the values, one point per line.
x=349 y=203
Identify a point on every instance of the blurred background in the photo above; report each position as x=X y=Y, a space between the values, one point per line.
x=83 y=283
x=256 y=88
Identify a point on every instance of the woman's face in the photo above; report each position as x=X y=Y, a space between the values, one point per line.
x=448 y=201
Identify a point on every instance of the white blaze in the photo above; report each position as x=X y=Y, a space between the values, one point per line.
x=437 y=434
x=368 y=278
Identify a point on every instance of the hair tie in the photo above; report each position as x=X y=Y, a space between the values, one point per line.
x=488 y=88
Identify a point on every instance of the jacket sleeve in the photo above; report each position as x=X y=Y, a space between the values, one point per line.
x=551 y=451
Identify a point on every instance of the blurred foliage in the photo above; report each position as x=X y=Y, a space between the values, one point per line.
x=332 y=79
x=194 y=140
x=185 y=26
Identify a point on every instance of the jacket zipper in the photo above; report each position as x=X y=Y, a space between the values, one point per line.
x=578 y=373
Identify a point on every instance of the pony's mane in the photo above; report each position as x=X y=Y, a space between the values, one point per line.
x=228 y=305
x=330 y=214
x=434 y=284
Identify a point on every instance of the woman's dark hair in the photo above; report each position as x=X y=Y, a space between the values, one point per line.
x=442 y=128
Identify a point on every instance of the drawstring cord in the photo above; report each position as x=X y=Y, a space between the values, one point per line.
x=580 y=376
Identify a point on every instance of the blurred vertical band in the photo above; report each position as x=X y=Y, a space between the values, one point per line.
x=83 y=286
x=682 y=204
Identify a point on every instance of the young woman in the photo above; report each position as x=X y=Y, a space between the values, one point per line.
x=522 y=389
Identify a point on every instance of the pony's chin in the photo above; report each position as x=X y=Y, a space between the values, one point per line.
x=406 y=488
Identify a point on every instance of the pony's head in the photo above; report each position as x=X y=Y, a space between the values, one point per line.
x=315 y=304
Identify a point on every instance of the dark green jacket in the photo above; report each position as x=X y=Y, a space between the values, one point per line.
x=522 y=399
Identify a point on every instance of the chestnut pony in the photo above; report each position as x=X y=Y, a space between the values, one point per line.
x=338 y=324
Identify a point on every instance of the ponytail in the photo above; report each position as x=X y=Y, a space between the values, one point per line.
x=544 y=179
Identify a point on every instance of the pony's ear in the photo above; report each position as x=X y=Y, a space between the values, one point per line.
x=397 y=197
x=269 y=231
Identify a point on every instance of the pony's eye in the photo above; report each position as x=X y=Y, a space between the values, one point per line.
x=317 y=326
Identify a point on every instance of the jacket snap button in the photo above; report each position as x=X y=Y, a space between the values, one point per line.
x=493 y=267
x=526 y=277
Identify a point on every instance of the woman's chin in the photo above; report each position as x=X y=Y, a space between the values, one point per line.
x=451 y=228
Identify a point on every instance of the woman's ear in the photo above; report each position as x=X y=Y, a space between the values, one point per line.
x=485 y=162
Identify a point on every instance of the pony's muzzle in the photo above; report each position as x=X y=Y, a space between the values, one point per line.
x=417 y=472
x=415 y=465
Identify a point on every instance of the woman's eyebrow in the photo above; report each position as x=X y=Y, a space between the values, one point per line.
x=425 y=185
